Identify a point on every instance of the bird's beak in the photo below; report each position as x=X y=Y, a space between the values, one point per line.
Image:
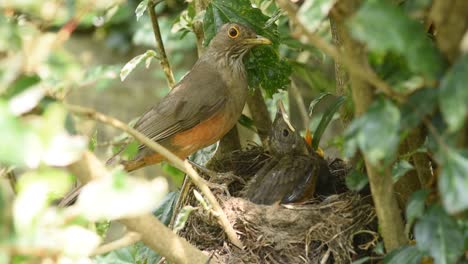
x=258 y=40
x=282 y=112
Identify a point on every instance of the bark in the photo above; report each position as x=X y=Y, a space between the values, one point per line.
x=341 y=76
x=380 y=180
x=421 y=161
x=259 y=112
x=200 y=6
x=409 y=182
x=451 y=22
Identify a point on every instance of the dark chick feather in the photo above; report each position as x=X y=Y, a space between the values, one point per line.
x=293 y=172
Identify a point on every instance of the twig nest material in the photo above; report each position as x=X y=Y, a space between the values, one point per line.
x=325 y=230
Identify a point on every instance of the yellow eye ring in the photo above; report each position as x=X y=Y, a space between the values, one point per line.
x=233 y=32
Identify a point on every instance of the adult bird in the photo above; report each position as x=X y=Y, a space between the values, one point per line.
x=205 y=104
x=294 y=170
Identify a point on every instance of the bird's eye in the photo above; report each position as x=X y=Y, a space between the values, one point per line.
x=233 y=32
x=285 y=132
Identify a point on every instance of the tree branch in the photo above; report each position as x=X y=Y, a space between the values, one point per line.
x=451 y=22
x=128 y=239
x=159 y=44
x=172 y=158
x=341 y=76
x=200 y=6
x=380 y=179
x=366 y=73
x=172 y=247
x=259 y=112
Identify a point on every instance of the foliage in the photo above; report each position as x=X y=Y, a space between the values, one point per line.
x=40 y=137
x=265 y=68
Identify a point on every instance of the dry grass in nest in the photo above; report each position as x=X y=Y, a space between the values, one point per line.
x=335 y=229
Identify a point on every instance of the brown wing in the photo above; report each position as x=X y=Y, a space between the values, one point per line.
x=279 y=178
x=186 y=105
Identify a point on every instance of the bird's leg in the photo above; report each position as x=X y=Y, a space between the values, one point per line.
x=212 y=175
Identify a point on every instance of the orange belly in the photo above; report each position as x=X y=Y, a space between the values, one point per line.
x=187 y=142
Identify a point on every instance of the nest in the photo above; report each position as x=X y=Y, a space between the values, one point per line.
x=334 y=229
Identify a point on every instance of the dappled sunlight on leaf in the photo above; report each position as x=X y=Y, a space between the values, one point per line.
x=453 y=180
x=109 y=199
x=375 y=133
x=453 y=95
x=27 y=100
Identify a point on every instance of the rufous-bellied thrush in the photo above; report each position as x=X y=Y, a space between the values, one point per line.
x=294 y=170
x=205 y=104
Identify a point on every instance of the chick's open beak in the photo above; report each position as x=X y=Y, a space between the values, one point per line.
x=258 y=40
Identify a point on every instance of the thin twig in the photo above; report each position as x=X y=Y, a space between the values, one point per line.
x=159 y=44
x=171 y=157
x=354 y=68
x=128 y=239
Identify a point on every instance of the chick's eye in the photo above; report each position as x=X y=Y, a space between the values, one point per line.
x=285 y=132
x=233 y=32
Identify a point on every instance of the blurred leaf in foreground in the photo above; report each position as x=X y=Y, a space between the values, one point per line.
x=375 y=133
x=453 y=180
x=117 y=195
x=453 y=95
x=439 y=235
x=385 y=27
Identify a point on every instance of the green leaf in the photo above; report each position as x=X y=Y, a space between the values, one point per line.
x=418 y=105
x=141 y=8
x=326 y=118
x=202 y=156
x=405 y=254
x=57 y=181
x=316 y=100
x=264 y=67
x=131 y=65
x=166 y=209
x=313 y=12
x=375 y=132
x=101 y=76
x=453 y=96
x=118 y=195
x=130 y=150
x=356 y=180
x=93 y=142
x=21 y=83
x=124 y=255
x=20 y=145
x=400 y=168
x=453 y=180
x=415 y=208
x=385 y=27
x=176 y=175
x=182 y=217
x=145 y=254
x=247 y=122
x=201 y=200
x=439 y=235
